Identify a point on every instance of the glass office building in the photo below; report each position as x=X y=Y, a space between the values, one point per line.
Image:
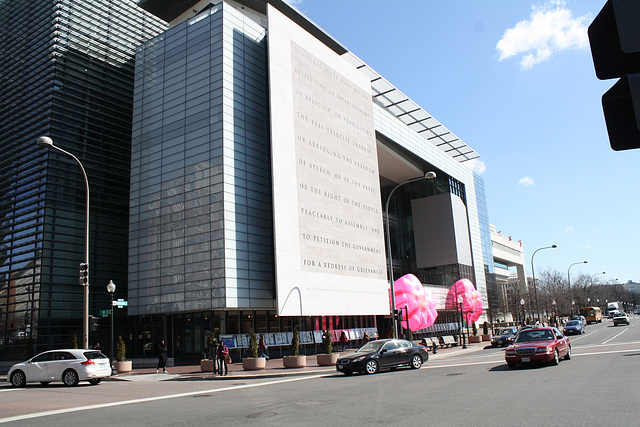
x=67 y=72
x=263 y=154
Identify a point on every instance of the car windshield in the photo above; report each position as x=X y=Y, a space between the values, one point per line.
x=371 y=347
x=619 y=315
x=505 y=331
x=534 y=335
x=573 y=323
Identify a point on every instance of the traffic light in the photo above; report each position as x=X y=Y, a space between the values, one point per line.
x=93 y=323
x=84 y=273
x=398 y=313
x=614 y=37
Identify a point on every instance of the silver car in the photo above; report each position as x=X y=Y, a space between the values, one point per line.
x=68 y=366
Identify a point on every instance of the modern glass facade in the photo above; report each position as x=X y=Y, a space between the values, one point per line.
x=67 y=73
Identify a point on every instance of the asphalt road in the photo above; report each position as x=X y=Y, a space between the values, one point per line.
x=599 y=386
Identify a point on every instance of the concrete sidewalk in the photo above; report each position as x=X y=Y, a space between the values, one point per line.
x=274 y=369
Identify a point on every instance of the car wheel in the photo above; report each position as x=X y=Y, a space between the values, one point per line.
x=416 y=361
x=95 y=381
x=70 y=377
x=371 y=367
x=18 y=379
x=511 y=365
x=568 y=356
x=556 y=358
x=45 y=382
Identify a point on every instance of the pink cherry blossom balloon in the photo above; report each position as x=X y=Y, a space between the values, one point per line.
x=421 y=305
x=471 y=300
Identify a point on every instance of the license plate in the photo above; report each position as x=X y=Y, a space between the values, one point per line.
x=525 y=359
x=339 y=367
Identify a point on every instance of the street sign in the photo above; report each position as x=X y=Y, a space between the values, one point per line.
x=105 y=313
x=120 y=303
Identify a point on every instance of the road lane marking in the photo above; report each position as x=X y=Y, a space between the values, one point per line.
x=616 y=336
x=152 y=399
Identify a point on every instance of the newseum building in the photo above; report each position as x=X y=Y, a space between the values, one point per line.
x=263 y=156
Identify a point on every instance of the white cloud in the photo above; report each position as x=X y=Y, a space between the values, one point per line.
x=568 y=229
x=526 y=181
x=550 y=29
x=295 y=2
x=476 y=165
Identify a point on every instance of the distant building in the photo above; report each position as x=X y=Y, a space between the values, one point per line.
x=511 y=279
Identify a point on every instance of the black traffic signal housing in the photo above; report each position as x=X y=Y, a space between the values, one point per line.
x=614 y=37
x=93 y=323
x=84 y=273
x=398 y=313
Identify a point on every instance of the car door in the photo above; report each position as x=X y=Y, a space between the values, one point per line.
x=59 y=362
x=405 y=351
x=389 y=354
x=563 y=343
x=36 y=369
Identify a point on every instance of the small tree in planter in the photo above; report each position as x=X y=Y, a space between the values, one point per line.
x=485 y=332
x=74 y=341
x=328 y=358
x=475 y=337
x=253 y=362
x=121 y=364
x=295 y=360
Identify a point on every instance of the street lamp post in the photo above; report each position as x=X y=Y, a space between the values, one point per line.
x=523 y=314
x=604 y=272
x=45 y=141
x=429 y=175
x=553 y=304
x=111 y=288
x=464 y=342
x=533 y=272
x=569 y=282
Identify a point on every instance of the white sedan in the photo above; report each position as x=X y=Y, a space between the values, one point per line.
x=69 y=366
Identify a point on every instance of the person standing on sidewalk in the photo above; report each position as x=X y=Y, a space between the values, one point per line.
x=213 y=354
x=343 y=339
x=223 y=353
x=162 y=357
x=262 y=348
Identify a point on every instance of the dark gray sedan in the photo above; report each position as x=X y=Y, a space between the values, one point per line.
x=504 y=336
x=383 y=354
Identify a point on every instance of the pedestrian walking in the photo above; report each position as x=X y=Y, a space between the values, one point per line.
x=213 y=354
x=162 y=357
x=262 y=348
x=366 y=338
x=223 y=353
x=343 y=339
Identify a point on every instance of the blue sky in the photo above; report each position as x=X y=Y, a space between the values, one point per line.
x=515 y=81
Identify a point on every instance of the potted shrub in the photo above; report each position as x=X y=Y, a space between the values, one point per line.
x=486 y=336
x=206 y=364
x=295 y=360
x=474 y=337
x=253 y=362
x=121 y=365
x=328 y=357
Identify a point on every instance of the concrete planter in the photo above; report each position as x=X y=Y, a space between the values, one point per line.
x=486 y=337
x=294 y=361
x=254 y=364
x=125 y=366
x=206 y=365
x=327 y=359
x=475 y=339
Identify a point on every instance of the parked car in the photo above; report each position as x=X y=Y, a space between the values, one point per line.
x=68 y=365
x=621 y=318
x=538 y=345
x=573 y=327
x=504 y=336
x=383 y=354
x=580 y=318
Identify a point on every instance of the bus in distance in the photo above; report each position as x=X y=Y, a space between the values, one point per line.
x=592 y=314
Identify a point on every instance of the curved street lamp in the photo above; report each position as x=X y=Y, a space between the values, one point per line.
x=569 y=281
x=533 y=272
x=46 y=142
x=428 y=175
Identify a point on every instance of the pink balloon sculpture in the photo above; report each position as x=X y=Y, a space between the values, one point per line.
x=471 y=300
x=419 y=301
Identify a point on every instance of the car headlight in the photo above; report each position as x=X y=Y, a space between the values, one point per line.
x=544 y=349
x=358 y=359
x=511 y=352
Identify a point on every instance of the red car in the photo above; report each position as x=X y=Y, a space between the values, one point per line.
x=538 y=345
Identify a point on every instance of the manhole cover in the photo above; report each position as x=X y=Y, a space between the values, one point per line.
x=262 y=415
x=202 y=395
x=239 y=384
x=453 y=374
